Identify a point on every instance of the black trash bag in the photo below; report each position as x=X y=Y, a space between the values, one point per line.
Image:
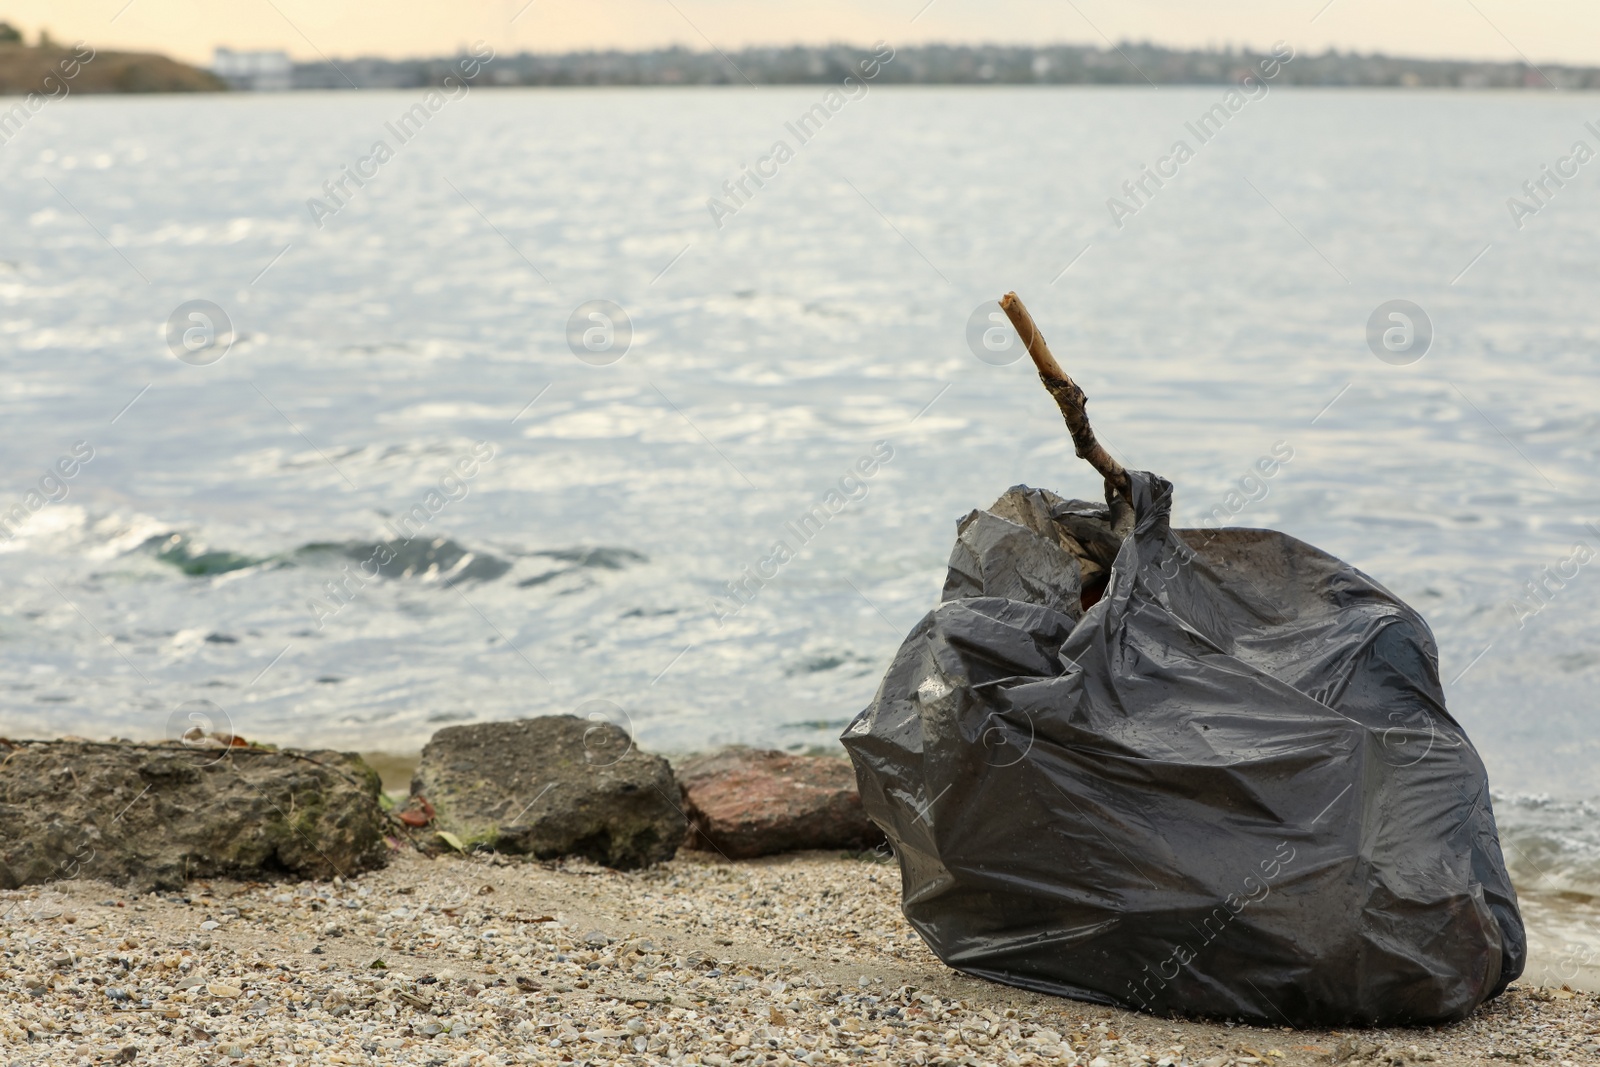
x=1228 y=788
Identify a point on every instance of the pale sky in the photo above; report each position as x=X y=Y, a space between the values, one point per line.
x=1540 y=30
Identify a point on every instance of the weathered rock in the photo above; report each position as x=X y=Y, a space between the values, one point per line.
x=153 y=816
x=746 y=802
x=552 y=786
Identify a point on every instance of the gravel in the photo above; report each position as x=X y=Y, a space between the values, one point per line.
x=483 y=961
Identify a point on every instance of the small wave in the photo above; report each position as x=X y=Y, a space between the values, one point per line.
x=828 y=661
x=1550 y=845
x=438 y=560
x=48 y=525
x=611 y=559
x=435 y=560
x=817 y=724
x=193 y=558
x=601 y=557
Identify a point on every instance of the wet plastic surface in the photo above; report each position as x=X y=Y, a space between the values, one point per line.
x=1230 y=787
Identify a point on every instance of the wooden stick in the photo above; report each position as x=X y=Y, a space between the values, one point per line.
x=1069 y=398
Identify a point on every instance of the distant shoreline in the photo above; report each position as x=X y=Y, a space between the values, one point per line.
x=9 y=99
x=27 y=69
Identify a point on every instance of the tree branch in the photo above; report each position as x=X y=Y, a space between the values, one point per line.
x=1069 y=398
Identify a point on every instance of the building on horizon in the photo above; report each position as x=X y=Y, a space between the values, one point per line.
x=258 y=72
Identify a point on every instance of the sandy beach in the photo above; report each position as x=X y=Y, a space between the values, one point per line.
x=483 y=960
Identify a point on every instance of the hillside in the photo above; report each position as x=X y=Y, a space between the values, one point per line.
x=47 y=68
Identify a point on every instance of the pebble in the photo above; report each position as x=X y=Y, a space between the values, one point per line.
x=223 y=990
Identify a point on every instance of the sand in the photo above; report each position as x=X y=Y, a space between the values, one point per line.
x=483 y=960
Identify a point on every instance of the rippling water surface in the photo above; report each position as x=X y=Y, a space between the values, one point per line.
x=218 y=544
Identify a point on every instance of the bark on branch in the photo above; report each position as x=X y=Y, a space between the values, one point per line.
x=1069 y=398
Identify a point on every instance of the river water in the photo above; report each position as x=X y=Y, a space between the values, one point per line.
x=402 y=348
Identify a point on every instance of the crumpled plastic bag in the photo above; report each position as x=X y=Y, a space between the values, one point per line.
x=1230 y=787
